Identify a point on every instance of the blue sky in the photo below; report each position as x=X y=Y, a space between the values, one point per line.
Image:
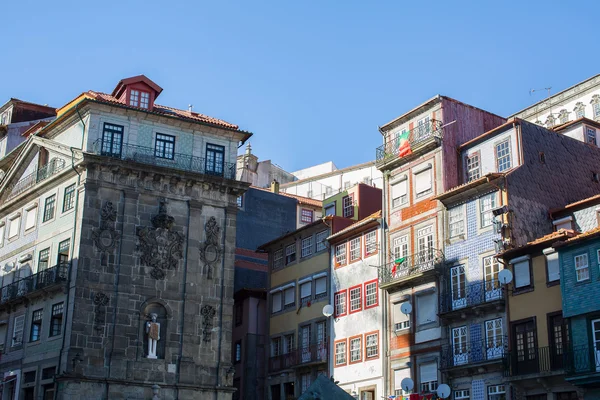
x=312 y=79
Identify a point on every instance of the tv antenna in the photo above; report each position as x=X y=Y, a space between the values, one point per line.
x=547 y=89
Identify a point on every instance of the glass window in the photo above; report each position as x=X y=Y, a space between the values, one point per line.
x=112 y=140
x=355 y=299
x=597 y=109
x=144 y=99
x=372 y=345
x=522 y=274
x=278 y=259
x=275 y=346
x=340 y=353
x=590 y=134
x=322 y=240
x=289 y=343
x=49 y=206
x=289 y=298
x=355 y=249
x=69 y=198
x=2 y=230
x=503 y=160
x=330 y=209
x=473 y=167
x=240 y=201
x=348 y=202
x=307 y=246
x=428 y=377
x=496 y=392
x=215 y=159
x=426 y=310
x=134 y=98
x=400 y=247
x=43 y=258
x=290 y=253
x=320 y=287
x=581 y=267
x=553 y=266
x=36 y=325
x=462 y=394
x=340 y=303
x=14 y=226
x=400 y=193
x=164 y=146
x=56 y=319
x=425 y=244
x=456 y=221
x=305 y=291
x=486 y=204
x=63 y=252
x=370 y=243
x=276 y=300
x=18 y=327
x=306 y=216
x=238 y=351
x=356 y=349
x=401 y=320
x=340 y=254
x=371 y=294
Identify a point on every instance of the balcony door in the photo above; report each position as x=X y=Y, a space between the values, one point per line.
x=215 y=157
x=559 y=340
x=525 y=338
x=425 y=247
x=491 y=267
x=494 y=337
x=321 y=342
x=305 y=343
x=458 y=281
x=112 y=140
x=596 y=340
x=459 y=345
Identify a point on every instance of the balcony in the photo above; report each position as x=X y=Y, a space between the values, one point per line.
x=474 y=298
x=582 y=365
x=182 y=162
x=534 y=362
x=410 y=144
x=41 y=282
x=414 y=267
x=52 y=168
x=315 y=353
x=468 y=354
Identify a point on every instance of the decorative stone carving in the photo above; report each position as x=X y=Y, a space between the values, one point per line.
x=161 y=248
x=210 y=252
x=208 y=313
x=100 y=302
x=106 y=237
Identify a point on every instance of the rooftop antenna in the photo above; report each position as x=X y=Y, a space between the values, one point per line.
x=190 y=107
x=532 y=91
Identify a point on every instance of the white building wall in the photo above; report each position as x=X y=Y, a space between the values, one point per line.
x=319 y=169
x=563 y=103
x=487 y=150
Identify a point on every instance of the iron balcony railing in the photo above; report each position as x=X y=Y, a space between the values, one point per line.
x=53 y=167
x=313 y=353
x=35 y=282
x=582 y=360
x=462 y=353
x=148 y=155
x=403 y=144
x=414 y=264
x=535 y=360
x=475 y=294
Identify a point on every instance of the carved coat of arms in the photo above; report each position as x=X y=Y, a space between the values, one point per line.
x=161 y=248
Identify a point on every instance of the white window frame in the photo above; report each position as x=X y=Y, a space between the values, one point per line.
x=463 y=394
x=426 y=188
x=371 y=298
x=278 y=259
x=456 y=221
x=340 y=254
x=485 y=213
x=340 y=299
x=355 y=249
x=503 y=155
x=353 y=350
x=426 y=313
x=340 y=356
x=321 y=240
x=134 y=98
x=323 y=292
x=356 y=301
x=290 y=250
x=473 y=165
x=144 y=99
x=582 y=271
x=495 y=390
x=401 y=247
x=18 y=330
x=370 y=243
x=399 y=192
x=370 y=347
x=291 y=304
x=348 y=206
x=307 y=245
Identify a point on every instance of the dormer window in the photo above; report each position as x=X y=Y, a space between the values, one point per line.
x=137 y=98
x=144 y=99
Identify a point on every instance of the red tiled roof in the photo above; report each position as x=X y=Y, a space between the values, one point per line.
x=301 y=199
x=452 y=191
x=582 y=236
x=548 y=239
x=164 y=110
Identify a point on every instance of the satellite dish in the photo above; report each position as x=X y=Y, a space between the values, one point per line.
x=407 y=384
x=406 y=308
x=443 y=391
x=328 y=310
x=9 y=266
x=505 y=276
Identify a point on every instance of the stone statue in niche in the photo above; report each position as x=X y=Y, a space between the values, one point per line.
x=210 y=252
x=161 y=248
x=153 y=332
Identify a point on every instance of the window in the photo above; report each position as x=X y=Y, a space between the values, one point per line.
x=43 y=259
x=322 y=241
x=239 y=313
x=330 y=209
x=320 y=287
x=238 y=351
x=276 y=302
x=355 y=349
x=56 y=319
x=289 y=343
x=423 y=182
x=371 y=295
x=552 y=266
x=112 y=140
x=567 y=396
x=348 y=203
x=496 y=392
x=563 y=116
x=522 y=273
x=462 y=394
x=49 y=206
x=340 y=353
x=215 y=159
x=144 y=99
x=371 y=345
x=289 y=297
x=579 y=110
x=550 y=121
x=426 y=309
x=425 y=244
x=399 y=375
x=355 y=249
x=347 y=185
x=340 y=254
x=2 y=229
x=590 y=134
x=367 y=180
x=400 y=193
x=164 y=146
x=48 y=373
x=340 y=303
x=13 y=226
x=240 y=201
x=400 y=247
x=306 y=216
x=305 y=382
x=428 y=375
x=30 y=218
x=305 y=291
x=18 y=326
x=134 y=98
x=307 y=245
x=69 y=198
x=503 y=155
x=36 y=325
x=473 y=167
x=355 y=299
x=290 y=254
x=456 y=221
x=597 y=110
x=63 y=252
x=328 y=190
x=278 y=259
x=401 y=320
x=486 y=204
x=370 y=243
x=275 y=346
x=581 y=267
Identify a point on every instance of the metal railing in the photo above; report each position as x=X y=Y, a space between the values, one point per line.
x=582 y=360
x=468 y=353
x=53 y=167
x=534 y=361
x=399 y=146
x=147 y=155
x=32 y=283
x=413 y=264
x=313 y=353
x=471 y=295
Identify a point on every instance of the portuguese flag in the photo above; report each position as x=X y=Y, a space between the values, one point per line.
x=397 y=263
x=404 y=144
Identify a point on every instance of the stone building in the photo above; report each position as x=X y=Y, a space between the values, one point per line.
x=117 y=238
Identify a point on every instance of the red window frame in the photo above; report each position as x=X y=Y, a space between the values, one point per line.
x=349 y=299
x=365 y=243
x=367 y=358
x=365 y=306
x=350 y=197
x=349 y=348
x=306 y=215
x=349 y=249
x=335 y=364
x=345 y=292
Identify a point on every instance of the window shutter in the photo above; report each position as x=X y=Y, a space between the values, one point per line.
x=30 y=221
x=426 y=308
x=399 y=189
x=321 y=285
x=305 y=289
x=400 y=374
x=276 y=299
x=522 y=277
x=553 y=266
x=398 y=315
x=423 y=181
x=428 y=372
x=290 y=295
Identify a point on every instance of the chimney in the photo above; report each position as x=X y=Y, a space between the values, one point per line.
x=275 y=187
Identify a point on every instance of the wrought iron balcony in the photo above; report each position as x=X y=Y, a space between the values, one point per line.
x=33 y=283
x=404 y=145
x=479 y=352
x=52 y=168
x=148 y=155
x=536 y=360
x=410 y=266
x=311 y=354
x=473 y=295
x=582 y=360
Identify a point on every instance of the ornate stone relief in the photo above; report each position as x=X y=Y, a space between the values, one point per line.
x=208 y=313
x=161 y=248
x=100 y=303
x=210 y=252
x=106 y=237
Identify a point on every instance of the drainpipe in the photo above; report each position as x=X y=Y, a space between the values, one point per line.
x=218 y=377
x=256 y=356
x=382 y=257
x=182 y=324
